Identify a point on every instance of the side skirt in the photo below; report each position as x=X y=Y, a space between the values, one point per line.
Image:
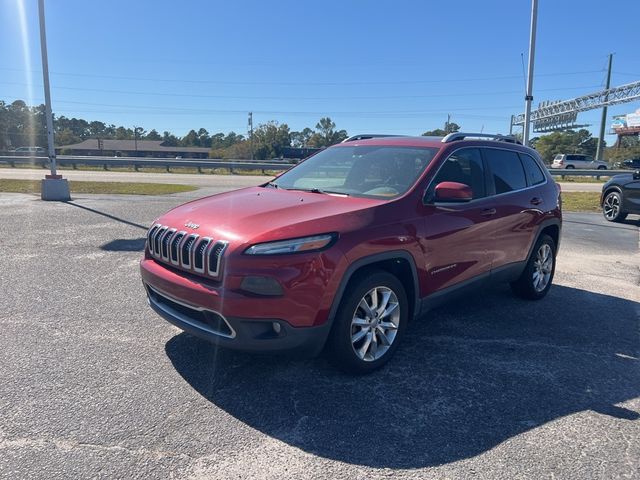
x=506 y=273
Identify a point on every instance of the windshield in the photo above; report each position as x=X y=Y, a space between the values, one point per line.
x=361 y=171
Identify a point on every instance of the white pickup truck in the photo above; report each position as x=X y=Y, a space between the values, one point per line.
x=575 y=160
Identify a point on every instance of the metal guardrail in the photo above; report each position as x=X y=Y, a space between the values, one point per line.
x=137 y=162
x=569 y=172
x=168 y=163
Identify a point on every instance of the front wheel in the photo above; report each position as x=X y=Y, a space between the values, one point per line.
x=602 y=167
x=369 y=323
x=612 y=207
x=535 y=280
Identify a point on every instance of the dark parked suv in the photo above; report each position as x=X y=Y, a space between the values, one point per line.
x=344 y=249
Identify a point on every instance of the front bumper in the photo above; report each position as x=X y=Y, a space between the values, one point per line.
x=238 y=333
x=227 y=318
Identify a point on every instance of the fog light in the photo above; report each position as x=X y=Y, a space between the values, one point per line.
x=276 y=327
x=261 y=286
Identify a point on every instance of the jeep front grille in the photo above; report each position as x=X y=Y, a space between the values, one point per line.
x=188 y=252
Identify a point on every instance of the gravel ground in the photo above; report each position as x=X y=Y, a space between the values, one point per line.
x=95 y=385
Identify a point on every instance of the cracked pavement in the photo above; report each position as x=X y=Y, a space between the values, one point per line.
x=95 y=385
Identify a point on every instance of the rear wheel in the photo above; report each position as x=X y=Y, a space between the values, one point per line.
x=602 y=167
x=569 y=167
x=535 y=280
x=612 y=207
x=369 y=322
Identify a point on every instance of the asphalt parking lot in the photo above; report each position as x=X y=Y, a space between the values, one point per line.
x=95 y=385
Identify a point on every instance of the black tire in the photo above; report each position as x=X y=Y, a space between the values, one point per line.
x=602 y=167
x=569 y=167
x=612 y=207
x=526 y=286
x=341 y=349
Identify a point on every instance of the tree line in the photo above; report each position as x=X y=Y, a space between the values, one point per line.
x=23 y=125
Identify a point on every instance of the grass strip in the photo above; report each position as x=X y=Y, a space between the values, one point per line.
x=581 y=201
x=117 y=188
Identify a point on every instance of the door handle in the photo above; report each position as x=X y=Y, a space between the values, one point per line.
x=487 y=212
x=536 y=201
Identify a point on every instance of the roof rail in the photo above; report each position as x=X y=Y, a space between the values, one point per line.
x=452 y=137
x=366 y=136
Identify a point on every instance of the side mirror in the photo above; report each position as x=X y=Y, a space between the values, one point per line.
x=636 y=175
x=453 y=192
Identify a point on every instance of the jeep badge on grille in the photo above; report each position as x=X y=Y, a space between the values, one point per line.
x=192 y=225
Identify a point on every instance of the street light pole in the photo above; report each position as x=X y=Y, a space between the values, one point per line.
x=47 y=93
x=529 y=94
x=53 y=186
x=603 y=121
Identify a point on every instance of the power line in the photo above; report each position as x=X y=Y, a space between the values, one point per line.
x=235 y=82
x=249 y=97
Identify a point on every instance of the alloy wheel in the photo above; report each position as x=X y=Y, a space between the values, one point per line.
x=375 y=323
x=542 y=267
x=611 y=206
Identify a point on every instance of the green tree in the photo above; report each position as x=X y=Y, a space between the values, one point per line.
x=269 y=138
x=301 y=139
x=449 y=127
x=153 y=135
x=190 y=139
x=169 y=139
x=326 y=134
x=123 y=133
x=66 y=137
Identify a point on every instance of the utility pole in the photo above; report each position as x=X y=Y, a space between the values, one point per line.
x=251 y=133
x=135 y=139
x=532 y=51
x=54 y=187
x=603 y=121
x=446 y=125
x=511 y=126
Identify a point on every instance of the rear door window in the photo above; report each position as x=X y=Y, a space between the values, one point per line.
x=506 y=170
x=532 y=170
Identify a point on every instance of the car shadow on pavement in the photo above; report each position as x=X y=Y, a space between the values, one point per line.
x=467 y=377
x=125 y=245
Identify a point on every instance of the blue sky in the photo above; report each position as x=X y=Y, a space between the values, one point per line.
x=396 y=67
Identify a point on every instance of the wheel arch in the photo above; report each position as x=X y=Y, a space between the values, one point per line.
x=399 y=263
x=551 y=227
x=610 y=188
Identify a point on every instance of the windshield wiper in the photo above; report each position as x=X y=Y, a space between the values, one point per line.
x=318 y=190
x=271 y=185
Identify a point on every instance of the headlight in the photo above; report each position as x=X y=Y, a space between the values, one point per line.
x=295 y=245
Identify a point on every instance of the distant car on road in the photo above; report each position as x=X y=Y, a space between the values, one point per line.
x=30 y=151
x=631 y=163
x=621 y=196
x=574 y=160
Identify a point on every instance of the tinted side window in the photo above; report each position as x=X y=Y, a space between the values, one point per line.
x=463 y=166
x=532 y=170
x=506 y=170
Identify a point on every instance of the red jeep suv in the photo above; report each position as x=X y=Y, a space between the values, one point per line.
x=343 y=249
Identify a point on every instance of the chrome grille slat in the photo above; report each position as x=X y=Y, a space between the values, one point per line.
x=157 y=241
x=214 y=257
x=174 y=247
x=199 y=254
x=165 y=243
x=186 y=250
x=150 y=236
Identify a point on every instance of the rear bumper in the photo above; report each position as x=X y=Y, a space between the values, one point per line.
x=238 y=333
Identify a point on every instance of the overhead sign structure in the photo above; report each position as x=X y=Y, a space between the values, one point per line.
x=554 y=115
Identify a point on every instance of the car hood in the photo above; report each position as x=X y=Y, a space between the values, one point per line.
x=258 y=214
x=620 y=179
